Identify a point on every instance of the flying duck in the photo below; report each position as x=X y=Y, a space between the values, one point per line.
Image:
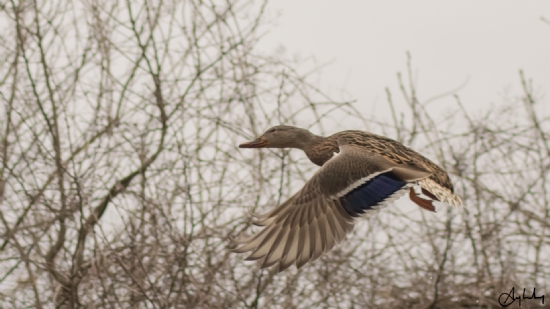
x=360 y=174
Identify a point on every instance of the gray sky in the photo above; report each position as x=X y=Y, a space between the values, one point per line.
x=480 y=43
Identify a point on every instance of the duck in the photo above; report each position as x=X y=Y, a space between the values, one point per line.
x=360 y=173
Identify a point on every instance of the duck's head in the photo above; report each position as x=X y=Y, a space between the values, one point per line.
x=281 y=137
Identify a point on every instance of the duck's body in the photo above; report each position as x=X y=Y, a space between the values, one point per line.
x=360 y=173
x=438 y=183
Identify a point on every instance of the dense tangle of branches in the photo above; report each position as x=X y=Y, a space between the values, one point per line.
x=121 y=183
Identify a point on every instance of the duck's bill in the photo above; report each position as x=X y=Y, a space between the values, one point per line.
x=257 y=143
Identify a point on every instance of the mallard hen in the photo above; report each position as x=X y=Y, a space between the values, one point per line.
x=360 y=174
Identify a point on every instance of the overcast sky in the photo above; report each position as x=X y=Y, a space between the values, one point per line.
x=481 y=43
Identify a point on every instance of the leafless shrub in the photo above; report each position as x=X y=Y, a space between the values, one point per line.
x=121 y=182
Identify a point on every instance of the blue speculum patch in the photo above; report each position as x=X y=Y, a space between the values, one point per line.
x=371 y=193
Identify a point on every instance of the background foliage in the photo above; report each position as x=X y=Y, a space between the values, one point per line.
x=121 y=183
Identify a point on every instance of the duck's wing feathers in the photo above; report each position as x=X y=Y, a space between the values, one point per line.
x=365 y=182
x=438 y=185
x=352 y=184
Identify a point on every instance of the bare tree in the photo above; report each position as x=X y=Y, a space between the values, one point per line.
x=121 y=182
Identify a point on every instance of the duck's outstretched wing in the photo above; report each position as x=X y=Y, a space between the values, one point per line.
x=352 y=184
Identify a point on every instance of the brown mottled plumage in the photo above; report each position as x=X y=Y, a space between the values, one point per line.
x=360 y=173
x=322 y=151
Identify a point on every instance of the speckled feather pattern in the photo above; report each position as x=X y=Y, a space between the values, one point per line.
x=440 y=185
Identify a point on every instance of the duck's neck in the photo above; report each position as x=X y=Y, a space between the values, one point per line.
x=311 y=141
x=320 y=149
